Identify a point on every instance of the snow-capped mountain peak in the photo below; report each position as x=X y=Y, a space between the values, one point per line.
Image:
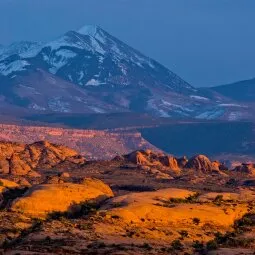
x=90 y=56
x=99 y=65
x=90 y=30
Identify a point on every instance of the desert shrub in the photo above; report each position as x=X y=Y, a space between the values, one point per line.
x=232 y=240
x=115 y=217
x=177 y=200
x=218 y=199
x=146 y=246
x=137 y=188
x=224 y=238
x=184 y=233
x=12 y=194
x=198 y=246
x=177 y=245
x=211 y=245
x=96 y=245
x=85 y=209
x=56 y=215
x=117 y=204
x=247 y=220
x=130 y=233
x=240 y=242
x=196 y=221
x=232 y=182
x=190 y=199
x=193 y=198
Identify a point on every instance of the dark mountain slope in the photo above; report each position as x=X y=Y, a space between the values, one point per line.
x=243 y=91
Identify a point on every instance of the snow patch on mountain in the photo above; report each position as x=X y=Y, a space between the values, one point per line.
x=57 y=104
x=64 y=41
x=15 y=66
x=61 y=58
x=176 y=106
x=24 y=49
x=210 y=114
x=96 y=109
x=199 y=98
x=232 y=105
x=166 y=109
x=93 y=82
x=88 y=30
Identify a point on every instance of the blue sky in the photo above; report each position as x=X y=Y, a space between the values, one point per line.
x=206 y=42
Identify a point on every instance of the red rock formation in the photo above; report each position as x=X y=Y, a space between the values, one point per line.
x=170 y=162
x=138 y=158
x=21 y=159
x=200 y=162
x=149 y=158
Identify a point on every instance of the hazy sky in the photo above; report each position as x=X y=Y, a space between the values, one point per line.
x=206 y=42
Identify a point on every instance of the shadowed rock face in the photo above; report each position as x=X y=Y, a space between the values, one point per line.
x=21 y=159
x=246 y=168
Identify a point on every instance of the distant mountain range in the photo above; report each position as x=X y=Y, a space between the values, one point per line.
x=90 y=71
x=242 y=91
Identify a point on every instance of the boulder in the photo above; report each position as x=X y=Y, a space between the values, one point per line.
x=216 y=165
x=45 y=199
x=4 y=166
x=149 y=206
x=5 y=185
x=138 y=158
x=53 y=180
x=24 y=182
x=201 y=163
x=97 y=184
x=170 y=162
x=64 y=175
x=149 y=158
x=8 y=184
x=163 y=176
x=33 y=174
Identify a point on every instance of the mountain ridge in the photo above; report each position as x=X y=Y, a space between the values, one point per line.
x=240 y=91
x=114 y=76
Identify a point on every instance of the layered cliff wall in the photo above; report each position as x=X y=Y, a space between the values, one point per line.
x=91 y=143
